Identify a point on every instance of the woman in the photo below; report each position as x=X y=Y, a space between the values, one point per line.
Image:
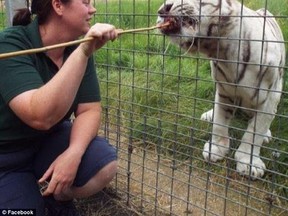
x=38 y=94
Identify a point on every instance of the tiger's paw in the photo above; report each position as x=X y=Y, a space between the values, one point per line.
x=244 y=165
x=267 y=137
x=207 y=116
x=217 y=152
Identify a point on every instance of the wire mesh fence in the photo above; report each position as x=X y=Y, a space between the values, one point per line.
x=153 y=96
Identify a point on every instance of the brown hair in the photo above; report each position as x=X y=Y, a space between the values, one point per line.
x=40 y=8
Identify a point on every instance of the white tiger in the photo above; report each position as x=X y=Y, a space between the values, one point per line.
x=238 y=40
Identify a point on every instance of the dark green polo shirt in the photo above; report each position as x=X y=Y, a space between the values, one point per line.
x=27 y=72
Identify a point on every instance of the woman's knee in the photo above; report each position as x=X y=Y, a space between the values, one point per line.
x=99 y=181
x=109 y=171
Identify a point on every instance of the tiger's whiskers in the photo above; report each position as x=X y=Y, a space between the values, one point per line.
x=189 y=48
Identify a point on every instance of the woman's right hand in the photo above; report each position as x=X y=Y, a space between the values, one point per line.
x=102 y=33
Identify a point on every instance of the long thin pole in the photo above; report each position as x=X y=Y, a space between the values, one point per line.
x=45 y=49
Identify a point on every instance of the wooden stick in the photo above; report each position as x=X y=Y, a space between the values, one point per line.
x=45 y=49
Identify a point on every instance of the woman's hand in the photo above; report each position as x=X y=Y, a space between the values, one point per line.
x=102 y=33
x=61 y=174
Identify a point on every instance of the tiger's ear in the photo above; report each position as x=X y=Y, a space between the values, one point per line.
x=57 y=5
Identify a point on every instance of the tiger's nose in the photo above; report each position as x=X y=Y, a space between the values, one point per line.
x=165 y=9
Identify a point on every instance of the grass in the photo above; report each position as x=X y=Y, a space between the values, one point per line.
x=157 y=94
x=2 y=15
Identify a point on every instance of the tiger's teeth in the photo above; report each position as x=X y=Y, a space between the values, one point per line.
x=160 y=20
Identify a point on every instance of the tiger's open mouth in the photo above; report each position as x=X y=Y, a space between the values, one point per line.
x=174 y=26
x=178 y=18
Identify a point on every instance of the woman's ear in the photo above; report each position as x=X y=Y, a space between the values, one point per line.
x=57 y=6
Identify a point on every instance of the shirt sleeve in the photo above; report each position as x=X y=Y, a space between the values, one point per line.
x=17 y=74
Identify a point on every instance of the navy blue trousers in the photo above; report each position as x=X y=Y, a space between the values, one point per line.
x=21 y=170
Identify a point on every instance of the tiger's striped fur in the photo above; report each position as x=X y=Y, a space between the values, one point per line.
x=247 y=54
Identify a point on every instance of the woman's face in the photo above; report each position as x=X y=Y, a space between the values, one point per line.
x=77 y=16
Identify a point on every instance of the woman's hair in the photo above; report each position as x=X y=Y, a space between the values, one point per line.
x=40 y=8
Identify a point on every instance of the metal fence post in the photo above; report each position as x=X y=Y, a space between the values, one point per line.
x=11 y=7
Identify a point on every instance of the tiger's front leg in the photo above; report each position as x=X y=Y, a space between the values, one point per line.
x=216 y=148
x=247 y=155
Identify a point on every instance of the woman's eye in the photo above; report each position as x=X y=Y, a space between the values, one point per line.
x=86 y=2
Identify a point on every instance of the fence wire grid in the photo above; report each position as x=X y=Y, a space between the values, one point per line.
x=153 y=96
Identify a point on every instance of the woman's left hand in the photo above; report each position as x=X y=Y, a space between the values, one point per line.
x=61 y=173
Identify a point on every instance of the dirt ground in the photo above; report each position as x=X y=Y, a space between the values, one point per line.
x=161 y=186
x=106 y=203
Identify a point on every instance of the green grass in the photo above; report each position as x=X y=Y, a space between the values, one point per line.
x=2 y=19
x=159 y=98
